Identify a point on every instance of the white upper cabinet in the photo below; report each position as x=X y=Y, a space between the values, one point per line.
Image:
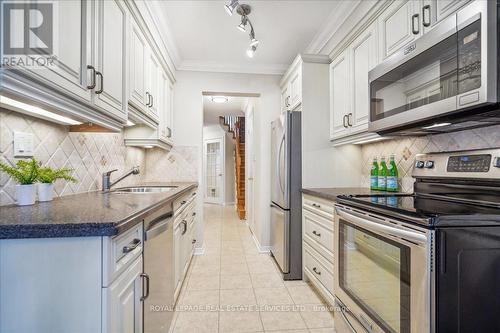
x=152 y=82
x=445 y=8
x=137 y=67
x=291 y=88
x=364 y=57
x=399 y=25
x=110 y=91
x=339 y=96
x=165 y=107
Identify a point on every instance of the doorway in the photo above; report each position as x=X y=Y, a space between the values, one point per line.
x=214 y=170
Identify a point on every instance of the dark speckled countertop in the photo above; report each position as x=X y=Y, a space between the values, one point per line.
x=87 y=214
x=333 y=193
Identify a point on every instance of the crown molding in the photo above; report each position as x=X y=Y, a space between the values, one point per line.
x=335 y=20
x=208 y=66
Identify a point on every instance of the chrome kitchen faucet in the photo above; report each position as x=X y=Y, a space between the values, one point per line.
x=106 y=178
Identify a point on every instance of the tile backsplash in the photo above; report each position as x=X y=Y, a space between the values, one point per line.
x=89 y=155
x=406 y=148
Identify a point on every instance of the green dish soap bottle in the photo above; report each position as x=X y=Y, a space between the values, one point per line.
x=382 y=175
x=374 y=175
x=392 y=175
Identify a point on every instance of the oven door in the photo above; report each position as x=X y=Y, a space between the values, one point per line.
x=446 y=70
x=383 y=272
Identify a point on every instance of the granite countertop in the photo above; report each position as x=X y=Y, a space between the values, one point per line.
x=86 y=214
x=333 y=193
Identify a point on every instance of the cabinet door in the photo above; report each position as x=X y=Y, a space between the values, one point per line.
x=177 y=257
x=170 y=111
x=163 y=106
x=339 y=95
x=445 y=8
x=137 y=67
x=396 y=26
x=285 y=98
x=295 y=90
x=153 y=83
x=73 y=50
x=122 y=302
x=110 y=91
x=363 y=59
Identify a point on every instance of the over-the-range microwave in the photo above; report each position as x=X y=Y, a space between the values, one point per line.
x=446 y=80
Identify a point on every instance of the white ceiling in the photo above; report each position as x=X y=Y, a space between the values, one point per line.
x=212 y=111
x=206 y=38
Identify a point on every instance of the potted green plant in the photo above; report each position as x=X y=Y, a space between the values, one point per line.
x=46 y=178
x=25 y=173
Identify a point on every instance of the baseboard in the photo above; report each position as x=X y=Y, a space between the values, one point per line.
x=198 y=251
x=260 y=248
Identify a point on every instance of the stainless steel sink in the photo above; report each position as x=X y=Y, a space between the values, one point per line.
x=144 y=189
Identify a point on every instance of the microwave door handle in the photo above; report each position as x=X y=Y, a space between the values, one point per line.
x=368 y=223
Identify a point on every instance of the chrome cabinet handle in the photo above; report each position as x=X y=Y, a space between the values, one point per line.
x=92 y=68
x=316 y=205
x=146 y=277
x=102 y=83
x=426 y=8
x=148 y=95
x=413 y=30
x=344 y=121
x=132 y=245
x=349 y=117
x=315 y=270
x=152 y=101
x=316 y=233
x=184 y=222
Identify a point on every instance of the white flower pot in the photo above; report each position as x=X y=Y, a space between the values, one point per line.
x=25 y=194
x=45 y=192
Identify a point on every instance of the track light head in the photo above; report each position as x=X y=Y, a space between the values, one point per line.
x=243 y=24
x=251 y=51
x=231 y=6
x=254 y=42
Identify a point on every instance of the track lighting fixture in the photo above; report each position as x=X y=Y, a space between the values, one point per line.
x=244 y=10
x=231 y=6
x=242 y=26
x=251 y=51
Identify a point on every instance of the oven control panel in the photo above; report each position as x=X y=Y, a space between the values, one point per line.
x=469 y=163
x=477 y=164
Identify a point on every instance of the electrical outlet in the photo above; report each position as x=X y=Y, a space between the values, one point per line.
x=23 y=144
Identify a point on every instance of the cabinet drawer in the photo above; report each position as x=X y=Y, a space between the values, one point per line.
x=184 y=201
x=318 y=267
x=319 y=206
x=319 y=231
x=118 y=252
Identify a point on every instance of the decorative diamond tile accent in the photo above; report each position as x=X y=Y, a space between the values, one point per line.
x=405 y=149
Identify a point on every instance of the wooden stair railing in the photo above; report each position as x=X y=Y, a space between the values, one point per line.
x=236 y=126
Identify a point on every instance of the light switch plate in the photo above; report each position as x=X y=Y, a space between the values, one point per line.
x=23 y=144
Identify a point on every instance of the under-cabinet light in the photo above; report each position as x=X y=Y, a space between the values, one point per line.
x=436 y=125
x=35 y=111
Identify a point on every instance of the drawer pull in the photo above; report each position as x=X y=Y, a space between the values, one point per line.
x=316 y=233
x=315 y=270
x=183 y=202
x=132 y=245
x=316 y=205
x=193 y=241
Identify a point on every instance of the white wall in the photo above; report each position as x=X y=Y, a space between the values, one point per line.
x=188 y=124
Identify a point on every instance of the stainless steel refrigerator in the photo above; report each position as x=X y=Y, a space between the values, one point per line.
x=286 y=198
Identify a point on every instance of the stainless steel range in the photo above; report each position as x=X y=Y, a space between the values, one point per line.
x=427 y=261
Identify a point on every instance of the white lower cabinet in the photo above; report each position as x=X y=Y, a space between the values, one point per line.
x=184 y=233
x=318 y=246
x=122 y=306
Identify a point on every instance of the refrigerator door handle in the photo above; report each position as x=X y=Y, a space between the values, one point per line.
x=279 y=164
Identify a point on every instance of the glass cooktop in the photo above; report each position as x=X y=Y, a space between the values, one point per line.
x=426 y=206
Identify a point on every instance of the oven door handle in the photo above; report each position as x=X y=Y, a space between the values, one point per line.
x=367 y=222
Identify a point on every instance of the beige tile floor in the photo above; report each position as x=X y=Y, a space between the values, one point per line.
x=233 y=288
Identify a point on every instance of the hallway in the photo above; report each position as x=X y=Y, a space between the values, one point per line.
x=233 y=288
